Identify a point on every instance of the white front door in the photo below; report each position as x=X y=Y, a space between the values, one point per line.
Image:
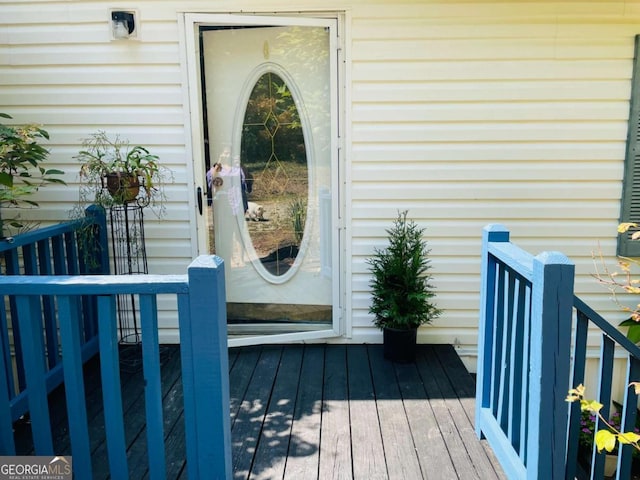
x=269 y=169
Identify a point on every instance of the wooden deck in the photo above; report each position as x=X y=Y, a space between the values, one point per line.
x=311 y=411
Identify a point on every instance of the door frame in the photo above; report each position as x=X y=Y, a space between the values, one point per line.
x=189 y=24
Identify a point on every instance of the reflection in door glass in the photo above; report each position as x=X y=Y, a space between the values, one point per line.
x=268 y=92
x=274 y=159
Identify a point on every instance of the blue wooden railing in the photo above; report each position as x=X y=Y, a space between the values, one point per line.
x=71 y=248
x=203 y=346
x=532 y=350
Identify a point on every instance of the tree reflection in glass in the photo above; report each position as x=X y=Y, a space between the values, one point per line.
x=274 y=159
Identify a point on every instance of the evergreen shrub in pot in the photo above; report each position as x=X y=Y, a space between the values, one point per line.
x=402 y=295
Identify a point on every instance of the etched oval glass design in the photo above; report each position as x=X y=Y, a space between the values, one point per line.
x=276 y=177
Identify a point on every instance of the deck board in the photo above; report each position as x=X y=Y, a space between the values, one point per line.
x=394 y=424
x=310 y=412
x=431 y=449
x=303 y=457
x=448 y=428
x=366 y=437
x=270 y=457
x=251 y=415
x=242 y=372
x=335 y=447
x=479 y=467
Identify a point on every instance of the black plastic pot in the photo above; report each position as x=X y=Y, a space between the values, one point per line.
x=400 y=344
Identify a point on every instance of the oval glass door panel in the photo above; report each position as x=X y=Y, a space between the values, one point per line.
x=270 y=147
x=273 y=156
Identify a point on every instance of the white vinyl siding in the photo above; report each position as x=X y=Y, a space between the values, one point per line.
x=59 y=68
x=477 y=113
x=465 y=113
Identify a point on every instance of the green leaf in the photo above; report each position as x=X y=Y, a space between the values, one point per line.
x=55 y=180
x=633 y=334
x=629 y=322
x=6 y=179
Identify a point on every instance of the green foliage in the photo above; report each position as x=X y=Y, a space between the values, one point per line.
x=298 y=216
x=102 y=155
x=272 y=126
x=21 y=170
x=633 y=333
x=623 y=280
x=402 y=294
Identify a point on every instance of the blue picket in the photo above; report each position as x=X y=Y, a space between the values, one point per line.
x=69 y=310
x=111 y=393
x=48 y=306
x=580 y=348
x=153 y=388
x=29 y=316
x=7 y=443
x=6 y=363
x=629 y=418
x=605 y=374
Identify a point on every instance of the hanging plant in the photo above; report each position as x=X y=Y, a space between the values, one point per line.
x=115 y=173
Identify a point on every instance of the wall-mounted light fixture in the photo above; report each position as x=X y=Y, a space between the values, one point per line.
x=123 y=24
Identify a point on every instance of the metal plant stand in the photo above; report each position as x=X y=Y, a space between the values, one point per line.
x=129 y=257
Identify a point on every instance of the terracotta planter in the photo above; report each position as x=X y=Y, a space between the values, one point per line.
x=400 y=344
x=123 y=187
x=610 y=465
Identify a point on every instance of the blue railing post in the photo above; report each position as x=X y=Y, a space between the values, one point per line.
x=205 y=360
x=490 y=233
x=549 y=373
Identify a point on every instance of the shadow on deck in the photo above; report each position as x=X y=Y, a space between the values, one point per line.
x=308 y=411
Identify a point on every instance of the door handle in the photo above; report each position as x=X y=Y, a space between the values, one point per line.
x=199 y=199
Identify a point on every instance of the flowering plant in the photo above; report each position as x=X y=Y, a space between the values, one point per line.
x=606 y=438
x=588 y=429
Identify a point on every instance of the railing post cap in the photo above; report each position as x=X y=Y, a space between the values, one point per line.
x=552 y=257
x=495 y=227
x=206 y=261
x=495 y=232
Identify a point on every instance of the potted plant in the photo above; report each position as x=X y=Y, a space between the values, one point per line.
x=118 y=173
x=587 y=435
x=402 y=296
x=21 y=171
